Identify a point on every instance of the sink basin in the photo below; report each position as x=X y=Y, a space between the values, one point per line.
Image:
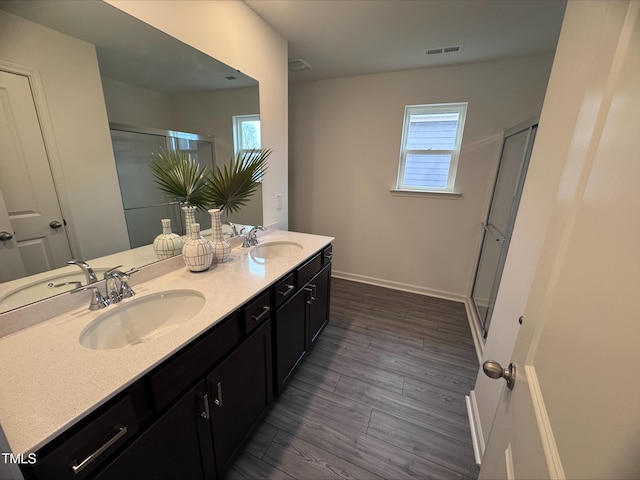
x=269 y=250
x=142 y=319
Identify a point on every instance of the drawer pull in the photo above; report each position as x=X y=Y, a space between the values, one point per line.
x=205 y=402
x=310 y=289
x=286 y=292
x=263 y=315
x=328 y=255
x=218 y=401
x=77 y=468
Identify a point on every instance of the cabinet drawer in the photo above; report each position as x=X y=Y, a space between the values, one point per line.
x=284 y=289
x=85 y=450
x=172 y=379
x=307 y=271
x=257 y=312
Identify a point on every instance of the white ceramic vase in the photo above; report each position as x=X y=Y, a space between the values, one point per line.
x=221 y=248
x=167 y=244
x=189 y=218
x=197 y=251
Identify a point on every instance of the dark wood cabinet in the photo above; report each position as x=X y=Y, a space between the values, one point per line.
x=299 y=321
x=240 y=393
x=318 y=304
x=290 y=337
x=178 y=445
x=191 y=416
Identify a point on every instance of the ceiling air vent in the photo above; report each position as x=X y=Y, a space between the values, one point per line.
x=448 y=49
x=297 y=65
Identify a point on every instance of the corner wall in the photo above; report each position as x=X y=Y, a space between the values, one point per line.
x=345 y=143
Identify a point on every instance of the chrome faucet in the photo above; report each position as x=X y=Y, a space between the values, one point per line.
x=250 y=239
x=116 y=284
x=234 y=228
x=88 y=271
x=116 y=288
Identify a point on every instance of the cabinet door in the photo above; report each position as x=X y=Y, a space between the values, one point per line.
x=319 y=294
x=240 y=392
x=291 y=335
x=178 y=445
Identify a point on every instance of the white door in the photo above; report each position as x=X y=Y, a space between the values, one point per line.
x=30 y=211
x=574 y=411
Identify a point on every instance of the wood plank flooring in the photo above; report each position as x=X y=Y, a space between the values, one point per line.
x=381 y=396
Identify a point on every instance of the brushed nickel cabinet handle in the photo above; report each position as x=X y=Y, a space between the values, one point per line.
x=263 y=315
x=78 y=467
x=218 y=400
x=287 y=291
x=206 y=413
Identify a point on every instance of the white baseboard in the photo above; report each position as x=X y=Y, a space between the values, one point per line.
x=476 y=428
x=474 y=324
x=405 y=287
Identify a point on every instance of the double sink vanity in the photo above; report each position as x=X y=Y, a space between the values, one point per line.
x=172 y=382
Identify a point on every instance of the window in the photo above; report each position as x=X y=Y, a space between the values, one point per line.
x=246 y=133
x=431 y=138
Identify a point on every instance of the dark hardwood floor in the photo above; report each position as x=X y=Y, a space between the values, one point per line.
x=380 y=396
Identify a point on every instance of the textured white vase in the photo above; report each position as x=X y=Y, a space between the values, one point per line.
x=197 y=251
x=167 y=244
x=189 y=218
x=221 y=248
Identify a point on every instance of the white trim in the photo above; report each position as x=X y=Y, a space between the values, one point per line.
x=425 y=193
x=50 y=145
x=549 y=446
x=508 y=462
x=405 y=287
x=477 y=439
x=433 y=109
x=474 y=324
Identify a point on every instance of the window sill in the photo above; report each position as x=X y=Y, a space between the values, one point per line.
x=423 y=193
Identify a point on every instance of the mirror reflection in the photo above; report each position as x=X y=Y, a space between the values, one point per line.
x=76 y=100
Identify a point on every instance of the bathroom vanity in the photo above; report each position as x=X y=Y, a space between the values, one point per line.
x=182 y=404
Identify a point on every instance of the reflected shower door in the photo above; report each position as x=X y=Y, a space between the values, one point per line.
x=516 y=151
x=144 y=204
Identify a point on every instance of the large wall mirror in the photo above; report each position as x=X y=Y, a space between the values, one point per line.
x=86 y=91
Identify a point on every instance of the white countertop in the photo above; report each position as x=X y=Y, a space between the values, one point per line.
x=48 y=381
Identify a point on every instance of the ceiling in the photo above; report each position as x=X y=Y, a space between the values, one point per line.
x=138 y=54
x=341 y=38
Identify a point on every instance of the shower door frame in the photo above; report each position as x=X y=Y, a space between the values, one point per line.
x=530 y=126
x=170 y=143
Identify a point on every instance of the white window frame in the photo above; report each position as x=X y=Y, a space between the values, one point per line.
x=461 y=109
x=238 y=120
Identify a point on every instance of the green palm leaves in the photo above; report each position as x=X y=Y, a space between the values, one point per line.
x=180 y=177
x=231 y=187
x=228 y=189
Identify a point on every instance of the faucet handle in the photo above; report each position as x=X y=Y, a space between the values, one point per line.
x=112 y=270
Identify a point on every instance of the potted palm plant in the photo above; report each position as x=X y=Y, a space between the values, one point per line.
x=221 y=191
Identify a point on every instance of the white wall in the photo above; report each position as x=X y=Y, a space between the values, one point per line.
x=345 y=143
x=232 y=33
x=136 y=106
x=76 y=132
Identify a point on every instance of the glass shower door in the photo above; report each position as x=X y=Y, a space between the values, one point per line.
x=516 y=151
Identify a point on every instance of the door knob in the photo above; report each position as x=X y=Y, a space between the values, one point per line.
x=55 y=224
x=4 y=236
x=493 y=369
